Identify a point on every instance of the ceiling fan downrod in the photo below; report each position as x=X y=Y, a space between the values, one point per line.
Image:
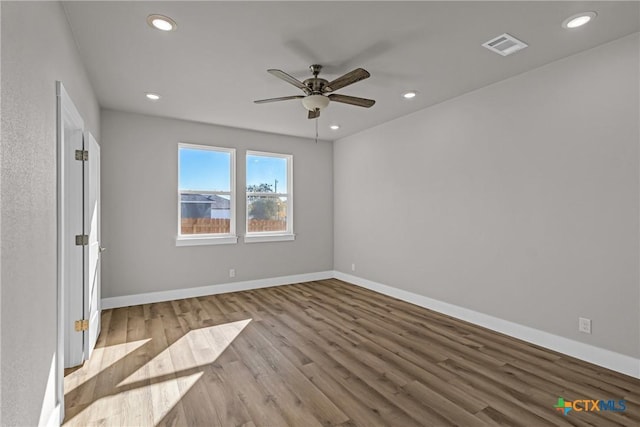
x=315 y=69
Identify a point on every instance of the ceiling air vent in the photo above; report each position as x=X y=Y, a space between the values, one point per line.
x=505 y=44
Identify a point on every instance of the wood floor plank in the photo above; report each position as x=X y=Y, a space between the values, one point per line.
x=390 y=391
x=442 y=405
x=326 y=353
x=259 y=403
x=347 y=402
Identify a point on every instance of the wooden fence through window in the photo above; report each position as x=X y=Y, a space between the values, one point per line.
x=222 y=226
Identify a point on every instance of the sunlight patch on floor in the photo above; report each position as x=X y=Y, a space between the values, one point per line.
x=134 y=404
x=153 y=389
x=195 y=348
x=79 y=377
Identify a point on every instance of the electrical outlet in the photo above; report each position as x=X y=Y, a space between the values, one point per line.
x=353 y=267
x=232 y=272
x=584 y=325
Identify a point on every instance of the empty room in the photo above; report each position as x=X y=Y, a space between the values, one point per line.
x=320 y=213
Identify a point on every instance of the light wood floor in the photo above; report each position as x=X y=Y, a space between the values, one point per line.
x=325 y=353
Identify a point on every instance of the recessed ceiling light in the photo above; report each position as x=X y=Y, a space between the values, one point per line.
x=578 y=20
x=161 y=22
x=153 y=96
x=334 y=127
x=409 y=95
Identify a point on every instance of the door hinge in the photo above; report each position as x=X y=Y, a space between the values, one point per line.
x=82 y=240
x=82 y=155
x=82 y=325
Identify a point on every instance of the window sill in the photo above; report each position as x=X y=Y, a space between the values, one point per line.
x=258 y=238
x=202 y=241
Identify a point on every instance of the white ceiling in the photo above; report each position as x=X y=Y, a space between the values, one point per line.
x=214 y=65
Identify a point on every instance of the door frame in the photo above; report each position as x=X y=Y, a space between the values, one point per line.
x=66 y=113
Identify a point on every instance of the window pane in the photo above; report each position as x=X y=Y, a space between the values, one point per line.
x=204 y=170
x=205 y=214
x=266 y=213
x=266 y=174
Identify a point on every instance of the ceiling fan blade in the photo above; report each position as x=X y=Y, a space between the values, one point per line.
x=346 y=80
x=360 y=102
x=284 y=98
x=314 y=114
x=289 y=79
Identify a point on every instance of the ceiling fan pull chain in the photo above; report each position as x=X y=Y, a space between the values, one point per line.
x=317 y=118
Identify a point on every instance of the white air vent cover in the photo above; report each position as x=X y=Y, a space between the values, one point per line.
x=505 y=44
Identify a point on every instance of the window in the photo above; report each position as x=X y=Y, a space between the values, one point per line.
x=269 y=197
x=206 y=195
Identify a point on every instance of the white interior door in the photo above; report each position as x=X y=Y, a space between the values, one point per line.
x=74 y=253
x=93 y=249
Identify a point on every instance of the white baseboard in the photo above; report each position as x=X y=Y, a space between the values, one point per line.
x=598 y=356
x=151 y=297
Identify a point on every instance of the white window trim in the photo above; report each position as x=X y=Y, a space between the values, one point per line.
x=225 y=239
x=210 y=239
x=280 y=237
x=270 y=236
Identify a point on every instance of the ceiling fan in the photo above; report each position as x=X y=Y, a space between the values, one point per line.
x=315 y=90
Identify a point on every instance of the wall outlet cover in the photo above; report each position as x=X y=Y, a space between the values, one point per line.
x=584 y=325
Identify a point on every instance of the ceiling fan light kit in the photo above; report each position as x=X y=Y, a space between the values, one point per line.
x=316 y=89
x=315 y=102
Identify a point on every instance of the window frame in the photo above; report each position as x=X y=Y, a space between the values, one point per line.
x=270 y=236
x=209 y=238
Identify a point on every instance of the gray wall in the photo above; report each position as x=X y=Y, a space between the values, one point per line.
x=1 y=139
x=518 y=200
x=139 y=208
x=37 y=50
x=1 y=145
